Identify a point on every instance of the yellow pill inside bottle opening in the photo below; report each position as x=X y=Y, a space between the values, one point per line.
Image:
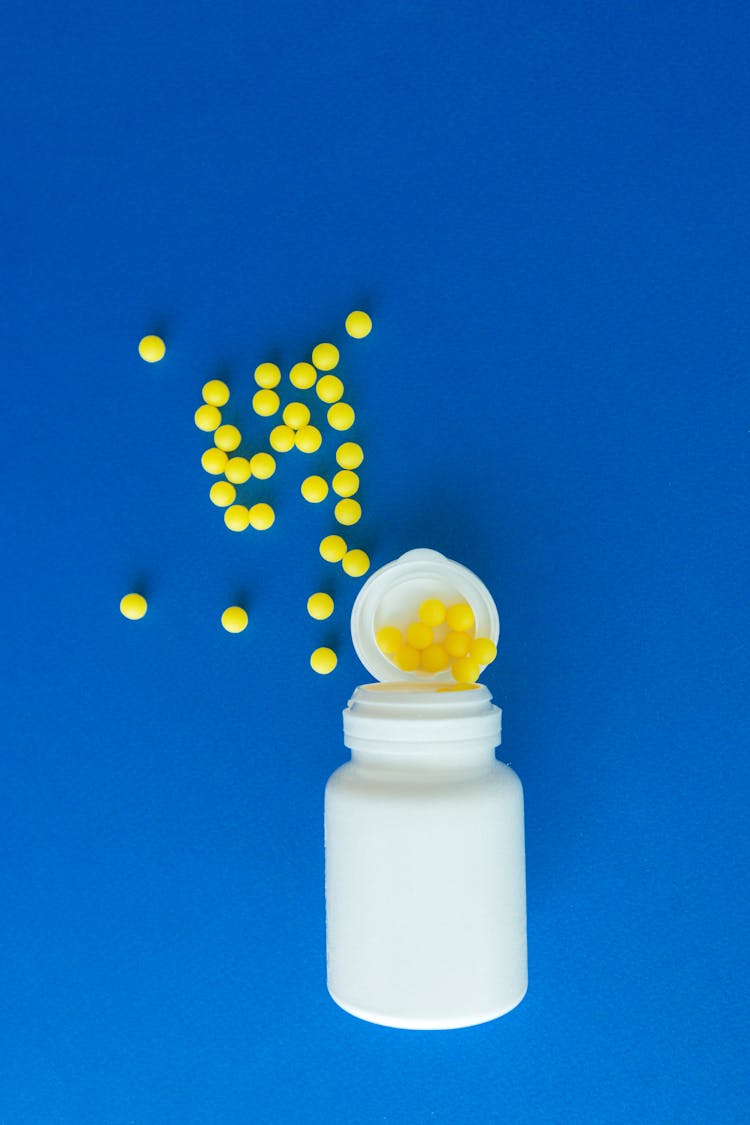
x=266 y=403
x=214 y=461
x=323 y=660
x=237 y=470
x=215 y=392
x=332 y=548
x=222 y=493
x=227 y=438
x=314 y=489
x=349 y=455
x=325 y=356
x=329 y=388
x=234 y=619
x=345 y=483
x=320 y=606
x=207 y=418
x=133 y=606
x=262 y=465
x=151 y=349
x=358 y=324
x=267 y=375
x=281 y=439
x=296 y=415
x=303 y=376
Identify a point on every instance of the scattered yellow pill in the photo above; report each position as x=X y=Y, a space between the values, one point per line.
x=340 y=416
x=308 y=439
x=460 y=617
x=432 y=612
x=281 y=439
x=214 y=461
x=261 y=516
x=238 y=470
x=222 y=494
x=465 y=671
x=345 y=483
x=234 y=619
x=320 y=606
x=323 y=661
x=314 y=489
x=358 y=324
x=434 y=658
x=303 y=376
x=267 y=375
x=215 y=392
x=406 y=658
x=207 y=418
x=483 y=650
x=389 y=639
x=348 y=512
x=266 y=403
x=262 y=465
x=457 y=644
x=133 y=606
x=296 y=415
x=325 y=357
x=349 y=455
x=356 y=563
x=332 y=548
x=237 y=517
x=227 y=438
x=152 y=349
x=329 y=388
x=418 y=635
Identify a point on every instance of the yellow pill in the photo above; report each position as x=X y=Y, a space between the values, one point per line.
x=323 y=661
x=222 y=493
x=234 y=619
x=320 y=606
x=358 y=324
x=345 y=483
x=267 y=375
x=432 y=612
x=151 y=348
x=261 y=516
x=237 y=517
x=419 y=636
x=265 y=403
x=389 y=639
x=308 y=439
x=457 y=644
x=215 y=392
x=465 y=671
x=434 y=658
x=207 y=418
x=329 y=388
x=133 y=606
x=282 y=439
x=340 y=416
x=314 y=489
x=406 y=658
x=332 y=548
x=349 y=455
x=303 y=376
x=356 y=563
x=460 y=617
x=325 y=356
x=238 y=470
x=227 y=438
x=483 y=650
x=348 y=512
x=262 y=465
x=214 y=461
x=296 y=415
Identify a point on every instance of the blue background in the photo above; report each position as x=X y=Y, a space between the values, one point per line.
x=544 y=207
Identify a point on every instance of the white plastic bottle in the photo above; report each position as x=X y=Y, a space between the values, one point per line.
x=425 y=874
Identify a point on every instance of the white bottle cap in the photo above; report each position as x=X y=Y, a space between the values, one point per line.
x=392 y=596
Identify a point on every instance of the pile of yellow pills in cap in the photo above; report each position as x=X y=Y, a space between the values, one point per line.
x=207 y=418
x=355 y=563
x=214 y=461
x=215 y=392
x=303 y=376
x=261 y=516
x=237 y=517
x=332 y=548
x=340 y=416
x=325 y=356
x=323 y=661
x=308 y=439
x=262 y=465
x=348 y=512
x=237 y=469
x=358 y=324
x=281 y=439
x=222 y=494
x=227 y=438
x=267 y=375
x=152 y=349
x=296 y=415
x=441 y=637
x=345 y=482
x=266 y=403
x=320 y=606
x=133 y=606
x=329 y=388
x=314 y=489
x=349 y=455
x=389 y=639
x=234 y=619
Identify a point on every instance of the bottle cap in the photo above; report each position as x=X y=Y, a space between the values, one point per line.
x=392 y=596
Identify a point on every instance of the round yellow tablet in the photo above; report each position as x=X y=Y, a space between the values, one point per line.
x=267 y=375
x=314 y=489
x=389 y=639
x=152 y=349
x=332 y=548
x=356 y=563
x=320 y=606
x=281 y=439
x=303 y=376
x=215 y=392
x=265 y=403
x=358 y=324
x=308 y=439
x=262 y=465
x=457 y=644
x=207 y=418
x=419 y=636
x=227 y=438
x=434 y=658
x=238 y=470
x=261 y=516
x=348 y=512
x=345 y=483
x=325 y=356
x=323 y=661
x=237 y=517
x=296 y=415
x=214 y=461
x=406 y=658
x=234 y=619
x=482 y=650
x=465 y=671
x=222 y=493
x=349 y=455
x=329 y=388
x=460 y=617
x=432 y=612
x=340 y=416
x=133 y=606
